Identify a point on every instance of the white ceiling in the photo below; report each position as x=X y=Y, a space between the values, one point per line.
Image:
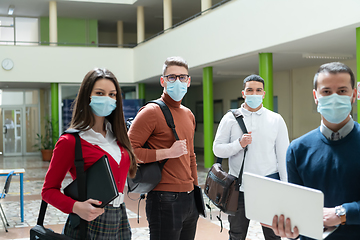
x=285 y=56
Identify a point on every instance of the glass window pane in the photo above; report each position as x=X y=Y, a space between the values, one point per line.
x=26 y=31
x=31 y=97
x=128 y=92
x=12 y=98
x=68 y=95
x=6 y=21
x=6 y=35
x=32 y=128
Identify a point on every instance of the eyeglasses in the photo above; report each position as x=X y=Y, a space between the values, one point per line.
x=172 y=77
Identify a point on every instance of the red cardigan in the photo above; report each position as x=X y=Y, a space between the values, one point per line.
x=63 y=162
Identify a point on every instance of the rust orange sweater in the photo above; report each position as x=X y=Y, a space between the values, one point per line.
x=178 y=174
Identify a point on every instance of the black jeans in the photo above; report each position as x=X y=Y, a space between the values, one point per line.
x=171 y=215
x=239 y=224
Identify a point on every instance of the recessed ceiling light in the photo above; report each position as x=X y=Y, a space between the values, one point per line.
x=11 y=10
x=235 y=73
x=327 y=56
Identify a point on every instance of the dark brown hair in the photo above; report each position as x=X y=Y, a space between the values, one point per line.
x=334 y=68
x=83 y=117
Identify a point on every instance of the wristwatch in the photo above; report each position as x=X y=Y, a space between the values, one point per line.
x=340 y=211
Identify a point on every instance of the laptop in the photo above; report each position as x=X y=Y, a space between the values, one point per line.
x=266 y=197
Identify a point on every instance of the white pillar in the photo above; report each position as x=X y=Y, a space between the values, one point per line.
x=53 y=38
x=120 y=33
x=205 y=4
x=140 y=24
x=167 y=14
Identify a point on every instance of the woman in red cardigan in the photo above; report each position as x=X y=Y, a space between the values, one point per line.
x=99 y=116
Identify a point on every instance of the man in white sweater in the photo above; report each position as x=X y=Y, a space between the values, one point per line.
x=267 y=141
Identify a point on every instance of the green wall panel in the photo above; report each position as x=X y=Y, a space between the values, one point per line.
x=71 y=31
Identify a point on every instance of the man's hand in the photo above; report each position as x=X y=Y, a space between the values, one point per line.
x=245 y=140
x=86 y=210
x=178 y=149
x=329 y=217
x=282 y=228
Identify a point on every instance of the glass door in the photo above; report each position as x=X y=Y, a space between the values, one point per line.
x=12 y=131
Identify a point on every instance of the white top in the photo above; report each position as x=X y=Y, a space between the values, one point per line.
x=267 y=152
x=107 y=143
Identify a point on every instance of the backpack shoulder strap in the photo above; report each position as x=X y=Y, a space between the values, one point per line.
x=167 y=114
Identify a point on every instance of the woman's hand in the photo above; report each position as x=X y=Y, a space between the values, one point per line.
x=86 y=210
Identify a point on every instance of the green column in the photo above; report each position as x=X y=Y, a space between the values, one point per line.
x=266 y=72
x=208 y=116
x=55 y=110
x=141 y=90
x=358 y=68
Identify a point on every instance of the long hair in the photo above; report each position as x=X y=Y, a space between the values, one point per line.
x=83 y=117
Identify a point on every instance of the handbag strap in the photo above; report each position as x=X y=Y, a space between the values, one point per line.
x=80 y=175
x=79 y=164
x=169 y=120
x=241 y=123
x=43 y=206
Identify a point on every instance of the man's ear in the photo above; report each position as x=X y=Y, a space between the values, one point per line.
x=354 y=95
x=243 y=94
x=188 y=84
x=263 y=95
x=162 y=81
x=315 y=97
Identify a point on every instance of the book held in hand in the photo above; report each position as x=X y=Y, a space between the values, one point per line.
x=199 y=200
x=100 y=183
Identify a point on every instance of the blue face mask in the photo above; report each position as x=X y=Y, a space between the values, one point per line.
x=176 y=90
x=253 y=101
x=334 y=108
x=102 y=106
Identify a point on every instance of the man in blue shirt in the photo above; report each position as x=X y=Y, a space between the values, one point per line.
x=327 y=158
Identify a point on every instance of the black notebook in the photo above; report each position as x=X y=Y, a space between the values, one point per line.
x=199 y=201
x=100 y=183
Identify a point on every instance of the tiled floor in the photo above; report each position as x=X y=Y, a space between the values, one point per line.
x=33 y=179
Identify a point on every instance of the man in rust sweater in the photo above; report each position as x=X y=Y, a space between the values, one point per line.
x=170 y=207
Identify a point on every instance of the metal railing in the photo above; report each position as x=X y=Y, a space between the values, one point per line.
x=186 y=20
x=46 y=43
x=130 y=45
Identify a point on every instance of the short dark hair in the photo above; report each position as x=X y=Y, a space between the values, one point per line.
x=254 y=77
x=334 y=68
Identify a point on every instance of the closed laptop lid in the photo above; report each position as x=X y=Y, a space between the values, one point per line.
x=266 y=197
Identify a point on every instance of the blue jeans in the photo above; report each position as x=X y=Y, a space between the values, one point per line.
x=171 y=215
x=239 y=224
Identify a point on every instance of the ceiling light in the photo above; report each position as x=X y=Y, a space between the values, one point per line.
x=327 y=56
x=11 y=10
x=235 y=73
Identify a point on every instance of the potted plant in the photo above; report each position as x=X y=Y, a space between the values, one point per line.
x=46 y=141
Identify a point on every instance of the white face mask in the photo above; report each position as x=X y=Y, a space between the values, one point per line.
x=334 y=108
x=176 y=90
x=253 y=101
x=102 y=106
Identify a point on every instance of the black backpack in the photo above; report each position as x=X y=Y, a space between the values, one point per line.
x=148 y=175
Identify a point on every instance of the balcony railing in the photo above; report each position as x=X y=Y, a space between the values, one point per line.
x=130 y=45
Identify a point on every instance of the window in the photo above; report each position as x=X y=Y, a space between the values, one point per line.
x=7 y=31
x=218 y=111
x=236 y=103
x=19 y=31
